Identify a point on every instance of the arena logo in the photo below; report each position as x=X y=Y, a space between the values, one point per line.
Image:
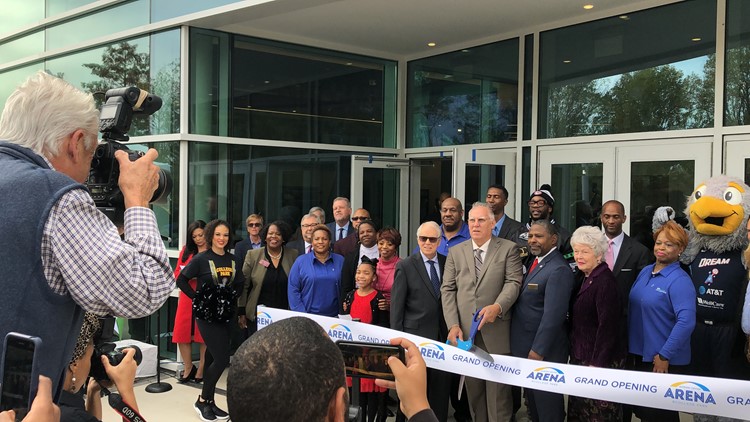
x=263 y=319
x=432 y=351
x=690 y=392
x=547 y=375
x=340 y=332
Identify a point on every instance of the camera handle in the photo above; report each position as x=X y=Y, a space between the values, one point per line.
x=120 y=406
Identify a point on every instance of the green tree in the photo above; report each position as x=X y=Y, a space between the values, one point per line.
x=574 y=110
x=737 y=87
x=121 y=66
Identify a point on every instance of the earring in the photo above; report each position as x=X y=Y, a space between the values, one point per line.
x=73 y=384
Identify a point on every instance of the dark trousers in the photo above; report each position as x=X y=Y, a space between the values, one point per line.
x=217 y=340
x=711 y=350
x=650 y=414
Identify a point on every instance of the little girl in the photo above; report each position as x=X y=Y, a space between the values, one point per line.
x=362 y=305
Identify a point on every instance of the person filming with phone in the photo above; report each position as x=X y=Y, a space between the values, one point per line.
x=273 y=369
x=66 y=254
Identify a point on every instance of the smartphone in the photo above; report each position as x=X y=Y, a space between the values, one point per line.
x=369 y=360
x=20 y=373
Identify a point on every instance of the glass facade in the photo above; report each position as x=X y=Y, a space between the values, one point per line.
x=22 y=46
x=98 y=24
x=167 y=9
x=737 y=64
x=234 y=181
x=468 y=96
x=19 y=13
x=651 y=70
x=293 y=93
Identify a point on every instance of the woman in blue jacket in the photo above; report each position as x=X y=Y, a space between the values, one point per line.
x=661 y=315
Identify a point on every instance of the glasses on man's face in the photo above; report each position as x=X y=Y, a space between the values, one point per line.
x=355 y=218
x=539 y=203
x=253 y=224
x=308 y=226
x=425 y=239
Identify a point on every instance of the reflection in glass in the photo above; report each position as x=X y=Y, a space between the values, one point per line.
x=747 y=171
x=464 y=97
x=380 y=195
x=654 y=184
x=166 y=9
x=55 y=7
x=577 y=189
x=435 y=181
x=24 y=46
x=234 y=181
x=737 y=69
x=98 y=24
x=19 y=14
x=293 y=93
x=651 y=70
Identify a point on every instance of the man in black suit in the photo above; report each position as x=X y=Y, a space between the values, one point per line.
x=341 y=227
x=505 y=227
x=416 y=307
x=350 y=243
x=303 y=245
x=538 y=324
x=626 y=257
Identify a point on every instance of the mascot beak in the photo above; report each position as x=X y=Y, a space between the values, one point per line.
x=715 y=217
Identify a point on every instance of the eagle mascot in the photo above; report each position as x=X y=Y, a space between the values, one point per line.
x=717 y=213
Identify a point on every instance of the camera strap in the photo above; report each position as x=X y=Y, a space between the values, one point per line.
x=119 y=405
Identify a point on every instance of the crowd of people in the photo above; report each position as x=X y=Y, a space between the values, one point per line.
x=593 y=297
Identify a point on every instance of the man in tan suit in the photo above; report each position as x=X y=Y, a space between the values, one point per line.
x=483 y=275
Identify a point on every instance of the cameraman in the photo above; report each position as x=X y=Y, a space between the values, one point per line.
x=72 y=408
x=66 y=255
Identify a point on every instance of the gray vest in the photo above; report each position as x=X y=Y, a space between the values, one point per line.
x=28 y=190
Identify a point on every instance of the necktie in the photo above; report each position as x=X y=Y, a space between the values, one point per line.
x=341 y=234
x=434 y=278
x=478 y=262
x=309 y=248
x=610 y=255
x=534 y=264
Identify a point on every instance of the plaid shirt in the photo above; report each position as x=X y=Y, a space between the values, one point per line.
x=83 y=254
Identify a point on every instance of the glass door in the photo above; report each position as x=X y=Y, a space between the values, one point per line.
x=477 y=169
x=580 y=177
x=737 y=157
x=380 y=185
x=658 y=175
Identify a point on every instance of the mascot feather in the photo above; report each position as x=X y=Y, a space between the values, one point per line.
x=717 y=213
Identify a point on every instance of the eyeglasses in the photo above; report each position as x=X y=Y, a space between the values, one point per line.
x=308 y=226
x=425 y=239
x=360 y=218
x=253 y=224
x=539 y=203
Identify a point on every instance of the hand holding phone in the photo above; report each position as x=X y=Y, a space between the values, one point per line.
x=369 y=360
x=20 y=374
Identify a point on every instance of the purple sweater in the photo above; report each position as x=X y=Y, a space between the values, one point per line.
x=595 y=320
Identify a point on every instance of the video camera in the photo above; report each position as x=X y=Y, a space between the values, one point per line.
x=115 y=117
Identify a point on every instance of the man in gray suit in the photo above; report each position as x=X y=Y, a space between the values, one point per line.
x=416 y=307
x=538 y=326
x=483 y=276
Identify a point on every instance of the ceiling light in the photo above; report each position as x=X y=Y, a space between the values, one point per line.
x=266 y=82
x=465 y=50
x=460 y=130
x=349 y=63
x=431 y=44
x=625 y=17
x=566 y=61
x=588 y=6
x=695 y=39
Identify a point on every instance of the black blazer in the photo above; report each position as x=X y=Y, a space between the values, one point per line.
x=633 y=257
x=348 y=271
x=298 y=245
x=510 y=228
x=415 y=307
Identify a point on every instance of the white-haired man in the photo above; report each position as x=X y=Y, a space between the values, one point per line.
x=66 y=255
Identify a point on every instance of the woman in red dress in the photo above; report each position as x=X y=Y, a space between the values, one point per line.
x=185 y=330
x=362 y=304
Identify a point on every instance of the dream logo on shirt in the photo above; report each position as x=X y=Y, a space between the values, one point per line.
x=690 y=392
x=340 y=332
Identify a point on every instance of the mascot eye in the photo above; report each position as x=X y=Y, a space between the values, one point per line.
x=699 y=192
x=732 y=196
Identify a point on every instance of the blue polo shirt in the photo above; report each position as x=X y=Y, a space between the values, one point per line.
x=445 y=244
x=314 y=285
x=661 y=315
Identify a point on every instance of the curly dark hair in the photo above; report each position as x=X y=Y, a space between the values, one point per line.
x=282 y=226
x=190 y=247
x=208 y=232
